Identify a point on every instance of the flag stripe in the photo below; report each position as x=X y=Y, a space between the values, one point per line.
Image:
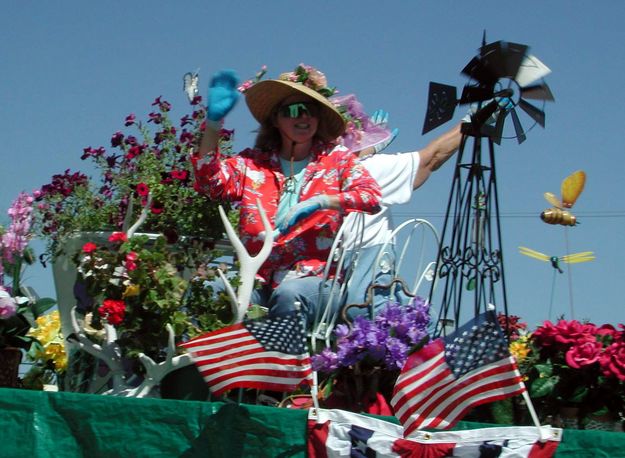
x=214 y=336
x=262 y=359
x=257 y=381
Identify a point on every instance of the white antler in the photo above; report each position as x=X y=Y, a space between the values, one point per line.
x=155 y=372
x=142 y=217
x=110 y=354
x=249 y=264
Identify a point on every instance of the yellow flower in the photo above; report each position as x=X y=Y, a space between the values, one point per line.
x=55 y=352
x=131 y=290
x=519 y=349
x=48 y=328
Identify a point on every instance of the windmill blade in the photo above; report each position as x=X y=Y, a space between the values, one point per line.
x=536 y=114
x=531 y=69
x=518 y=128
x=503 y=59
x=537 y=92
x=501 y=119
x=533 y=254
x=441 y=105
x=578 y=257
x=472 y=94
x=476 y=70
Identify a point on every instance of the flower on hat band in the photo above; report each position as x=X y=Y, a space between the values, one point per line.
x=310 y=77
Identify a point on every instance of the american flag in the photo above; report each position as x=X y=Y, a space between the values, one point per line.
x=446 y=378
x=269 y=353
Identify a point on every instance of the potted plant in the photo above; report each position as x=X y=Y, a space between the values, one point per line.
x=19 y=305
x=147 y=159
x=360 y=372
x=575 y=371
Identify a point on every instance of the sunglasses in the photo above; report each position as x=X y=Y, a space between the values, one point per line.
x=298 y=109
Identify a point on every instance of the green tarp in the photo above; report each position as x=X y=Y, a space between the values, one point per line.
x=37 y=424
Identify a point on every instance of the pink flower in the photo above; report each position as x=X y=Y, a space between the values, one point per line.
x=113 y=311
x=130 y=263
x=583 y=353
x=8 y=307
x=89 y=247
x=118 y=237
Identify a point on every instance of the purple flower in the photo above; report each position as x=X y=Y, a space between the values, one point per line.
x=117 y=139
x=130 y=120
x=386 y=340
x=156 y=118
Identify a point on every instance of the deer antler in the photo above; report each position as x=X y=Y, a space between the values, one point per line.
x=249 y=264
x=155 y=372
x=142 y=217
x=109 y=352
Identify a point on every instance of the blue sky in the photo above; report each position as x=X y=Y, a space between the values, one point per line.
x=71 y=72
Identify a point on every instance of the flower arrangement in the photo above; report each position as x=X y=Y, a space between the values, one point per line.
x=133 y=284
x=573 y=364
x=19 y=306
x=141 y=162
x=368 y=356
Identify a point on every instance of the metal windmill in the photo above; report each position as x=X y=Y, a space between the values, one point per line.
x=502 y=77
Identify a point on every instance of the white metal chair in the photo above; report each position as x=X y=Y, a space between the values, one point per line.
x=336 y=278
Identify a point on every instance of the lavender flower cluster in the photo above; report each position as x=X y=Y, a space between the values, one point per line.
x=15 y=239
x=386 y=341
x=13 y=242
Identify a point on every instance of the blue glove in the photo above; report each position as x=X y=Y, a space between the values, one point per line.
x=302 y=210
x=222 y=95
x=380 y=118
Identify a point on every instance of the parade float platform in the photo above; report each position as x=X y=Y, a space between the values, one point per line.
x=62 y=424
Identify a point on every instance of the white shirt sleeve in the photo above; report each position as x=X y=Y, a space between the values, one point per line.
x=395 y=173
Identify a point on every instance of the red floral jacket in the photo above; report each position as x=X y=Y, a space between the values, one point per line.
x=253 y=174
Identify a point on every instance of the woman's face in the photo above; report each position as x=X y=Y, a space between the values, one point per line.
x=297 y=119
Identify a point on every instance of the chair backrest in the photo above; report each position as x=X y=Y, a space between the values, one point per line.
x=409 y=257
x=341 y=261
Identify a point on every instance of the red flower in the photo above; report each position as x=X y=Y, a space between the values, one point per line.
x=612 y=361
x=113 y=311
x=142 y=189
x=89 y=247
x=179 y=174
x=118 y=237
x=583 y=353
x=157 y=208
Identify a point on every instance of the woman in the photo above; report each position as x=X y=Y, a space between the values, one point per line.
x=305 y=182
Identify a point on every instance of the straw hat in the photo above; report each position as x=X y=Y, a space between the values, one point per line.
x=263 y=96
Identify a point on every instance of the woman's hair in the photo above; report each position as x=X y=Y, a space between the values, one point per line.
x=268 y=137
